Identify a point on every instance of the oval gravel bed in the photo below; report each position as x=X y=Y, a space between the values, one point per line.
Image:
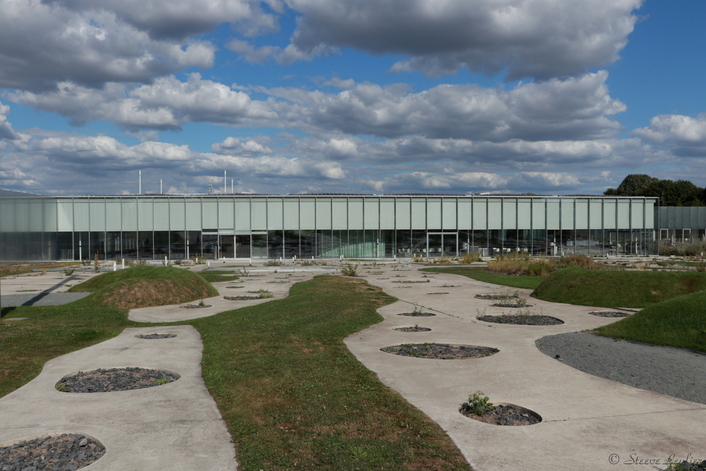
x=495 y=297
x=440 y=351
x=413 y=329
x=115 y=379
x=610 y=313
x=507 y=414
x=522 y=319
x=52 y=453
x=666 y=370
x=417 y=314
x=154 y=337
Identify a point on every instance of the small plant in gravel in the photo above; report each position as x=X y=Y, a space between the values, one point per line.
x=514 y=302
x=202 y=303
x=161 y=382
x=61 y=388
x=348 y=269
x=68 y=271
x=273 y=263
x=477 y=404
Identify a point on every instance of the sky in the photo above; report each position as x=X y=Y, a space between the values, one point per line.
x=548 y=97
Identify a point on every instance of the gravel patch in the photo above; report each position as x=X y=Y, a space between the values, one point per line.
x=417 y=314
x=66 y=452
x=522 y=319
x=507 y=414
x=155 y=336
x=671 y=371
x=115 y=379
x=413 y=329
x=440 y=351
x=610 y=313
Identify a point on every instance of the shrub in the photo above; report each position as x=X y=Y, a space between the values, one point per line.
x=348 y=269
x=477 y=404
x=468 y=258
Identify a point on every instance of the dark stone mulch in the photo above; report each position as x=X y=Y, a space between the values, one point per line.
x=441 y=292
x=155 y=336
x=413 y=329
x=115 y=379
x=610 y=313
x=522 y=319
x=507 y=414
x=494 y=297
x=66 y=452
x=417 y=314
x=241 y=298
x=512 y=304
x=195 y=306
x=412 y=281
x=440 y=351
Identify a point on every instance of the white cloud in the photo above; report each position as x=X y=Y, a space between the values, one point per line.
x=6 y=131
x=682 y=135
x=575 y=108
x=44 y=43
x=235 y=146
x=177 y=20
x=250 y=53
x=529 y=38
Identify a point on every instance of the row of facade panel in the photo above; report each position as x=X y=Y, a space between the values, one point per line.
x=243 y=214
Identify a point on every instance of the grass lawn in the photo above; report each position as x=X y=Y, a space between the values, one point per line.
x=294 y=396
x=617 y=288
x=482 y=274
x=146 y=286
x=49 y=332
x=678 y=322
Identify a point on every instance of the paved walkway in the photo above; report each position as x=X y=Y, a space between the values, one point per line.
x=588 y=422
x=176 y=426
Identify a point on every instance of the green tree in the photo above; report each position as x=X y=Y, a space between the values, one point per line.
x=670 y=193
x=634 y=184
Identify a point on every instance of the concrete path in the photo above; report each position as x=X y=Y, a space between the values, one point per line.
x=589 y=423
x=176 y=426
x=41 y=288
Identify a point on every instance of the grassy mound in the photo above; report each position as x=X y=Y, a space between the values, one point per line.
x=617 y=288
x=294 y=397
x=146 y=286
x=678 y=322
x=482 y=274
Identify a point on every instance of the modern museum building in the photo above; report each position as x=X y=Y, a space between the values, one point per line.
x=230 y=226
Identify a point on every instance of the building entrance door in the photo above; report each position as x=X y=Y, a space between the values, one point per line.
x=227 y=244
x=242 y=246
x=442 y=244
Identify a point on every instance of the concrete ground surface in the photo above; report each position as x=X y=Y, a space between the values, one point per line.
x=588 y=423
x=176 y=426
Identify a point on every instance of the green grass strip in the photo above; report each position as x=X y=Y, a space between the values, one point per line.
x=679 y=322
x=293 y=396
x=49 y=332
x=482 y=274
x=610 y=288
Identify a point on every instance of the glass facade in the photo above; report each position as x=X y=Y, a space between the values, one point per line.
x=313 y=226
